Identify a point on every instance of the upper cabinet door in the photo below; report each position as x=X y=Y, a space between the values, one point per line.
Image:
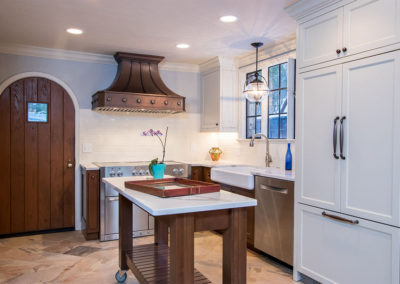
x=370 y=172
x=370 y=24
x=210 y=112
x=320 y=39
x=317 y=170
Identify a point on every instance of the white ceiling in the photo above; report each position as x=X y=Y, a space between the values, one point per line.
x=147 y=26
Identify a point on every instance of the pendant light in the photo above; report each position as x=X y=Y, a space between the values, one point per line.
x=257 y=89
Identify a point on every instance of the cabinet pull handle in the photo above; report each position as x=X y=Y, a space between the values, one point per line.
x=338 y=51
x=274 y=189
x=340 y=219
x=335 y=137
x=342 y=138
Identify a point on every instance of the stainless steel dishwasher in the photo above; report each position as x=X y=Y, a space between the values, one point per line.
x=273 y=232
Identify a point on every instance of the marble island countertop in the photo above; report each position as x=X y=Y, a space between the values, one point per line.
x=158 y=206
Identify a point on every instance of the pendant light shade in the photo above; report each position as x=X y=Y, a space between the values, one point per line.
x=256 y=90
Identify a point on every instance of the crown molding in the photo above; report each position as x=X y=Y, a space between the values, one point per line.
x=62 y=54
x=218 y=63
x=271 y=50
x=302 y=8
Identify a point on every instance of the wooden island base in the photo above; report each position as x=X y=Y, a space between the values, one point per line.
x=175 y=264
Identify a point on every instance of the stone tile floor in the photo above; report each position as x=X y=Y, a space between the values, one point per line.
x=67 y=258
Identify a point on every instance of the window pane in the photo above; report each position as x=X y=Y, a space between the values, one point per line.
x=273 y=103
x=250 y=108
x=283 y=75
x=37 y=112
x=273 y=126
x=273 y=77
x=250 y=127
x=258 y=108
x=258 y=124
x=283 y=107
x=283 y=130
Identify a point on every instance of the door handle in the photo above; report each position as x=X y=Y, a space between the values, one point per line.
x=342 y=138
x=340 y=219
x=274 y=189
x=335 y=137
x=70 y=164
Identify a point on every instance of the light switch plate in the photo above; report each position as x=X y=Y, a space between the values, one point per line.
x=87 y=148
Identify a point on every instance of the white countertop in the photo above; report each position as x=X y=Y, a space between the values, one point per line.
x=275 y=173
x=89 y=166
x=209 y=163
x=158 y=206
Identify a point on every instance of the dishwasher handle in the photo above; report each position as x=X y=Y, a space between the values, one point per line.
x=274 y=189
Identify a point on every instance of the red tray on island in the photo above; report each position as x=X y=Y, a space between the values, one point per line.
x=170 y=187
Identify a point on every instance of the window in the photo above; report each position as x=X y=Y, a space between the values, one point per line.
x=37 y=112
x=278 y=101
x=253 y=111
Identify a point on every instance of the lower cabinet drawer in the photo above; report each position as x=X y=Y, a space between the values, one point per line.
x=330 y=250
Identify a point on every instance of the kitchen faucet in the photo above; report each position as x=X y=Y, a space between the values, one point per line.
x=268 y=159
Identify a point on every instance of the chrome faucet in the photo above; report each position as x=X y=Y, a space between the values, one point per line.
x=268 y=159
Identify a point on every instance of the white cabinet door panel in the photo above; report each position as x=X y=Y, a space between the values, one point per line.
x=317 y=171
x=370 y=24
x=370 y=173
x=319 y=38
x=331 y=251
x=210 y=86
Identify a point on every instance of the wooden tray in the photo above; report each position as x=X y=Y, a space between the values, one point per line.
x=170 y=187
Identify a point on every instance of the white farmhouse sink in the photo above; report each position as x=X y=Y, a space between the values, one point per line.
x=239 y=176
x=243 y=176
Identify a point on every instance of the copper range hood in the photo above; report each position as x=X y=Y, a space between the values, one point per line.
x=138 y=87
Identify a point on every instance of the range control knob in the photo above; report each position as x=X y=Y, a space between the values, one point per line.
x=134 y=172
x=141 y=172
x=147 y=172
x=181 y=171
x=120 y=174
x=112 y=174
x=175 y=171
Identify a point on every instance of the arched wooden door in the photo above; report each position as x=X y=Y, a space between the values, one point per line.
x=37 y=157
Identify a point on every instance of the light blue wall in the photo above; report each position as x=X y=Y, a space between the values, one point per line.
x=85 y=79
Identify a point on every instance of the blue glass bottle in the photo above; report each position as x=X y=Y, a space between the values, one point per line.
x=288 y=161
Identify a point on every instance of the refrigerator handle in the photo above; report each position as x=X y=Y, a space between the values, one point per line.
x=335 y=137
x=342 y=138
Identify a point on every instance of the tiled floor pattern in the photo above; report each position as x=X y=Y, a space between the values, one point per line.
x=67 y=258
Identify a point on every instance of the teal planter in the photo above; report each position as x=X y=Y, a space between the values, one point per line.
x=158 y=171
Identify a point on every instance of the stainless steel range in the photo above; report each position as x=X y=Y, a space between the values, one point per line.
x=143 y=223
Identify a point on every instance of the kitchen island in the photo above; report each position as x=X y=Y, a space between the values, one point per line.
x=183 y=216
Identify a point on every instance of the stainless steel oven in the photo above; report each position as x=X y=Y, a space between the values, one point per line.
x=143 y=223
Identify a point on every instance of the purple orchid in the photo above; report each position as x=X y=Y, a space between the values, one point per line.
x=158 y=133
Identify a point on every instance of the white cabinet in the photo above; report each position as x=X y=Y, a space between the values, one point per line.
x=359 y=26
x=370 y=24
x=318 y=104
x=370 y=172
x=336 y=251
x=361 y=98
x=219 y=80
x=320 y=38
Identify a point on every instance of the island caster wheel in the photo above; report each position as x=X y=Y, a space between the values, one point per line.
x=120 y=277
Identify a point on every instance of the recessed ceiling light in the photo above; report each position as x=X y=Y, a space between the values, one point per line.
x=74 y=31
x=228 y=19
x=182 y=45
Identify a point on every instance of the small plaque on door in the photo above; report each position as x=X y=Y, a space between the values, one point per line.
x=37 y=112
